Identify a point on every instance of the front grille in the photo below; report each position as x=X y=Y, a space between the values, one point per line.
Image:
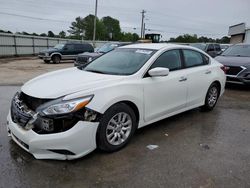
x=233 y=70
x=19 y=112
x=82 y=59
x=23 y=108
x=232 y=79
x=32 y=102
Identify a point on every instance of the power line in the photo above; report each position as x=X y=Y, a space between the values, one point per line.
x=34 y=18
x=187 y=28
x=173 y=32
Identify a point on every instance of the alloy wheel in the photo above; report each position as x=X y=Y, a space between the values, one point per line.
x=212 y=96
x=119 y=128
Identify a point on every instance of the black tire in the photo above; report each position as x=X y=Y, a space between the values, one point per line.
x=102 y=132
x=211 y=97
x=46 y=61
x=56 y=59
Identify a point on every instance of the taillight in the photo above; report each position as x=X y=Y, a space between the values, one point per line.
x=224 y=68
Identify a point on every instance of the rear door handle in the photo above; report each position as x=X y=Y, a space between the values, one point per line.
x=208 y=72
x=182 y=79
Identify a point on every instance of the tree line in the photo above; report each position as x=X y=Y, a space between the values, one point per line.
x=108 y=29
x=186 y=38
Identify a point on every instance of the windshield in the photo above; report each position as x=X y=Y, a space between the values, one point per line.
x=198 y=45
x=237 y=50
x=224 y=46
x=107 y=47
x=121 y=61
x=59 y=46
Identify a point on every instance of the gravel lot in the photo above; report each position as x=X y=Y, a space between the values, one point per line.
x=196 y=149
x=16 y=71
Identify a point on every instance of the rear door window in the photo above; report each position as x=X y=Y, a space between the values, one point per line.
x=70 y=47
x=79 y=46
x=193 y=58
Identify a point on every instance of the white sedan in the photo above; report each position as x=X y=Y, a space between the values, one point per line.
x=68 y=113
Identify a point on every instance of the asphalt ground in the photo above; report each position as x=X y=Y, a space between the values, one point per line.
x=195 y=149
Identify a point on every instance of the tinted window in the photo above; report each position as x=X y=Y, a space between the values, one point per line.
x=193 y=58
x=79 y=46
x=107 y=47
x=70 y=47
x=170 y=59
x=217 y=47
x=210 y=47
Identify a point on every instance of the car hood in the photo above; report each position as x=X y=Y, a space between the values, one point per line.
x=49 y=50
x=233 y=61
x=89 y=54
x=67 y=81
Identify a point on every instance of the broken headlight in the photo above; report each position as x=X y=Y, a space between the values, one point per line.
x=65 y=107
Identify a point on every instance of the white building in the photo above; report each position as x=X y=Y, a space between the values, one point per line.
x=239 y=33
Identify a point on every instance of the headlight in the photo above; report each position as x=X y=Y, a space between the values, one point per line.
x=90 y=59
x=46 y=54
x=67 y=106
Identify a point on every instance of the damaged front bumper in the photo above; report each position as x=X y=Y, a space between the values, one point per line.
x=71 y=144
x=62 y=136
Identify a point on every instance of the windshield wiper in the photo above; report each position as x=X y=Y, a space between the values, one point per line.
x=96 y=71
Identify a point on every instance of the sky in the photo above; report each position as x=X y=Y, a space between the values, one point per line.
x=170 y=18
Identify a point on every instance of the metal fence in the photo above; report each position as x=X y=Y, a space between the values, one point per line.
x=14 y=45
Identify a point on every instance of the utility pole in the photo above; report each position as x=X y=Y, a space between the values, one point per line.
x=95 y=23
x=144 y=28
x=142 y=22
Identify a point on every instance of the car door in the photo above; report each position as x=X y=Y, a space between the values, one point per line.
x=166 y=94
x=69 y=51
x=199 y=76
x=81 y=48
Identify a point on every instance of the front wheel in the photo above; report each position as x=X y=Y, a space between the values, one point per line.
x=211 y=97
x=56 y=59
x=116 y=128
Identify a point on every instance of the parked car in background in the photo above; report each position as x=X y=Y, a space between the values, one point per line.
x=68 y=113
x=68 y=51
x=237 y=61
x=224 y=46
x=213 y=49
x=86 y=57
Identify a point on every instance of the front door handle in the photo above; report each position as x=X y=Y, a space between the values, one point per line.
x=182 y=79
x=208 y=72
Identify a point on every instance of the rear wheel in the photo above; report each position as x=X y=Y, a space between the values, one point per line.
x=116 y=128
x=56 y=59
x=211 y=97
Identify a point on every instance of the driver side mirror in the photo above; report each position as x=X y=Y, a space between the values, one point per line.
x=158 y=71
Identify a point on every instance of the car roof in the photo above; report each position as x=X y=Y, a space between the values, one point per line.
x=153 y=46
x=242 y=44
x=83 y=43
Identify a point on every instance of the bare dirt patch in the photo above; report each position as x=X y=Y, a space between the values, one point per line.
x=17 y=71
